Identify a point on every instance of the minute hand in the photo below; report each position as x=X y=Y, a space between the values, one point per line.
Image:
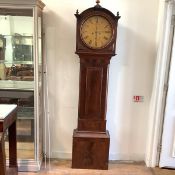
x=96 y=35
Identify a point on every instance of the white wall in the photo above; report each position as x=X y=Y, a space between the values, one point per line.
x=131 y=73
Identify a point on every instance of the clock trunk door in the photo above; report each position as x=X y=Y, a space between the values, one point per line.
x=92 y=100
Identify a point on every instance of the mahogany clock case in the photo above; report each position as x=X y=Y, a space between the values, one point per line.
x=91 y=139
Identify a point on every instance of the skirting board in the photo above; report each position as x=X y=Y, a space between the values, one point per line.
x=112 y=156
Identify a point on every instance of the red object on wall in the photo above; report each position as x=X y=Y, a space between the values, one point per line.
x=138 y=98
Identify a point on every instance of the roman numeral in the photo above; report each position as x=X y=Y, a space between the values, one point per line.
x=96 y=44
x=86 y=37
x=90 y=21
x=90 y=42
x=97 y=20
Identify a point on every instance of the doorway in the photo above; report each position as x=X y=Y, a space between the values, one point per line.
x=161 y=88
x=167 y=148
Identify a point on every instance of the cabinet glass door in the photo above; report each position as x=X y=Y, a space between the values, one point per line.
x=17 y=74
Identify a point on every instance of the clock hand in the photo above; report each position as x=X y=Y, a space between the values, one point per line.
x=95 y=38
x=96 y=31
x=103 y=31
x=96 y=21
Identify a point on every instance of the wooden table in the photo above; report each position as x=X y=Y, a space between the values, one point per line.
x=8 y=115
x=16 y=92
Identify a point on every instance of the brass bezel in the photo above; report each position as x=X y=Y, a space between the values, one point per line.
x=112 y=36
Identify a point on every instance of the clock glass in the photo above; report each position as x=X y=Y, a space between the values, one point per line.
x=96 y=32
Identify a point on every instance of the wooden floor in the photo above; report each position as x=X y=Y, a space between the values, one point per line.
x=63 y=167
x=158 y=171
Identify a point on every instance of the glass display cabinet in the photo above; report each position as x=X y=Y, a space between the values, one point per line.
x=21 y=75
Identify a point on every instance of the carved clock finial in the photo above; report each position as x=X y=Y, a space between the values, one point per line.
x=98 y=2
x=118 y=16
x=77 y=12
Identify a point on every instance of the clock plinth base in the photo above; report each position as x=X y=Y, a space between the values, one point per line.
x=90 y=150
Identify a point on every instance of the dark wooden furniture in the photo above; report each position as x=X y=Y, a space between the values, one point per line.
x=8 y=121
x=95 y=45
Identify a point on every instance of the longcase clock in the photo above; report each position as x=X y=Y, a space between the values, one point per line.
x=95 y=44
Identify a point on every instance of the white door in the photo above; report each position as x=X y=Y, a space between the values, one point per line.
x=167 y=156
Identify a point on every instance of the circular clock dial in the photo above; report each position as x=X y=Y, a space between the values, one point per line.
x=96 y=32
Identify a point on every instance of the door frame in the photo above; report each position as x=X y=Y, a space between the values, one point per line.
x=160 y=86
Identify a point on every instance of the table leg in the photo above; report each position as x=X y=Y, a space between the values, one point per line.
x=12 y=146
x=2 y=155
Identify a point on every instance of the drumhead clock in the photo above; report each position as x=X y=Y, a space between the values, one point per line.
x=96 y=32
x=96 y=35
